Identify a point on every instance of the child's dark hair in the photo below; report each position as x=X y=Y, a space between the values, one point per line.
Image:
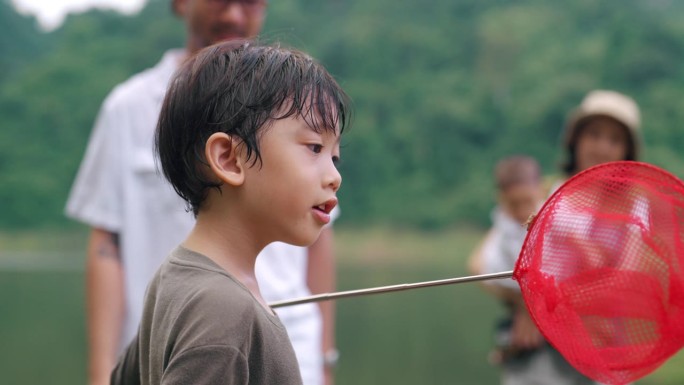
x=238 y=88
x=516 y=170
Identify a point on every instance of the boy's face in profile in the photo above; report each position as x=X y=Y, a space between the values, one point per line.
x=292 y=192
x=521 y=200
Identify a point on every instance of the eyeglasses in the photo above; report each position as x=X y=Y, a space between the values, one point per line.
x=249 y=5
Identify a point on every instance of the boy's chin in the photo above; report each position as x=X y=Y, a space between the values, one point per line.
x=304 y=240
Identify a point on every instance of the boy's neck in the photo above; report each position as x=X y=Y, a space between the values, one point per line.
x=230 y=247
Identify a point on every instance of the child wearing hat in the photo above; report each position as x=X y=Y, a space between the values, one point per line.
x=605 y=127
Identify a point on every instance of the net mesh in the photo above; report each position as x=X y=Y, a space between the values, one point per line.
x=601 y=270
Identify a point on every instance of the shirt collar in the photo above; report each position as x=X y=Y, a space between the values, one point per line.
x=165 y=69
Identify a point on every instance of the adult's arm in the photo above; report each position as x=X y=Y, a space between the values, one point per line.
x=321 y=278
x=524 y=333
x=104 y=304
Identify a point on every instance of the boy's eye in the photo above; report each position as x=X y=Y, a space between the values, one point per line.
x=336 y=159
x=316 y=148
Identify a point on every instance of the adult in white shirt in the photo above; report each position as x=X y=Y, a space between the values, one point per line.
x=136 y=218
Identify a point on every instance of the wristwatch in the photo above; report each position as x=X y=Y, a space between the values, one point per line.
x=330 y=358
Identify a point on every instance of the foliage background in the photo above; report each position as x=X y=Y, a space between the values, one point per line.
x=442 y=89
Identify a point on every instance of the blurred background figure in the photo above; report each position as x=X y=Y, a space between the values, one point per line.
x=603 y=128
x=137 y=218
x=519 y=194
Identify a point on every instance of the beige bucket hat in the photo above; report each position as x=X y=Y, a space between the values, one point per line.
x=606 y=103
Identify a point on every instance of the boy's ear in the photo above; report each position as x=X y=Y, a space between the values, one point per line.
x=224 y=159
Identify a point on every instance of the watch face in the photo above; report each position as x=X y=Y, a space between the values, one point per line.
x=330 y=358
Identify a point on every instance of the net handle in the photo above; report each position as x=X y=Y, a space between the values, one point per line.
x=388 y=289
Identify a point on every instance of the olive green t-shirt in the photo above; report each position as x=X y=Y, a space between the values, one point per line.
x=201 y=326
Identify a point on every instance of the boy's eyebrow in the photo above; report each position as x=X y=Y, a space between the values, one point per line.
x=321 y=130
x=338 y=137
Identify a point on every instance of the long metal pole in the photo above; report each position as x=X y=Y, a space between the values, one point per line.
x=387 y=289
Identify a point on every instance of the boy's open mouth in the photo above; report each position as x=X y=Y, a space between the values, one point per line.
x=328 y=206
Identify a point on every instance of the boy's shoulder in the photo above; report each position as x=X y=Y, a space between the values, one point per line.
x=203 y=287
x=214 y=327
x=199 y=304
x=203 y=281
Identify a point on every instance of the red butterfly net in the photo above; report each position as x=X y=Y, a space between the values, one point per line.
x=601 y=270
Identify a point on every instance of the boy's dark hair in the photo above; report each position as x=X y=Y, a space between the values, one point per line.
x=239 y=87
x=516 y=170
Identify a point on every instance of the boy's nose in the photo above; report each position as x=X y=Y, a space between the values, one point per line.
x=333 y=179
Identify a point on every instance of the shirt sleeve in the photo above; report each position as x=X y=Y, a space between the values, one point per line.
x=207 y=365
x=491 y=254
x=494 y=260
x=95 y=197
x=127 y=370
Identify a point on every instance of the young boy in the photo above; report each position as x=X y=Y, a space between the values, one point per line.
x=249 y=136
x=519 y=194
x=524 y=356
